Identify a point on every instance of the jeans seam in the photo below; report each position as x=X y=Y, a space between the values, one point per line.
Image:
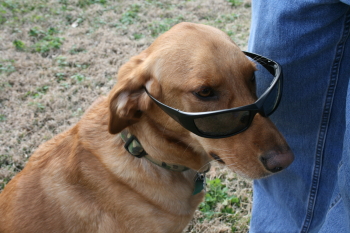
x=324 y=123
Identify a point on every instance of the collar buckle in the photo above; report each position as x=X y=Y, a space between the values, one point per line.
x=133 y=146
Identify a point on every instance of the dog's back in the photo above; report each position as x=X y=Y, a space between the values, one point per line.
x=65 y=187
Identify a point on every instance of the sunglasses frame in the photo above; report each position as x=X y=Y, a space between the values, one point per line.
x=186 y=119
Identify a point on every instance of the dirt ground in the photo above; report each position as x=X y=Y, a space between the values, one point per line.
x=58 y=56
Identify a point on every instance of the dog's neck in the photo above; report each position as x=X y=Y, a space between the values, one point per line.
x=134 y=147
x=169 y=145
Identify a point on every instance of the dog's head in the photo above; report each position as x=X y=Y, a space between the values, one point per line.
x=197 y=68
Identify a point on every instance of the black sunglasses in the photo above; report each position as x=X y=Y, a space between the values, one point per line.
x=229 y=122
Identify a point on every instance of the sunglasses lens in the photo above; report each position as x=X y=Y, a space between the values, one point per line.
x=272 y=99
x=223 y=124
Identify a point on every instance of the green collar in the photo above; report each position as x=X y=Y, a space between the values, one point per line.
x=134 y=147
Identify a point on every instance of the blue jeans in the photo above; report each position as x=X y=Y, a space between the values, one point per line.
x=311 y=40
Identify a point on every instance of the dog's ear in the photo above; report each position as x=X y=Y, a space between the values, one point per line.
x=128 y=99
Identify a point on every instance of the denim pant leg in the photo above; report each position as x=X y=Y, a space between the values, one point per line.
x=344 y=169
x=310 y=39
x=338 y=215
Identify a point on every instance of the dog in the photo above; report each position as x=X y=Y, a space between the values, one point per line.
x=131 y=164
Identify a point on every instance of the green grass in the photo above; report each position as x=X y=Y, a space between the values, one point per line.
x=235 y=3
x=20 y=45
x=2 y=118
x=61 y=77
x=76 y=49
x=78 y=77
x=219 y=204
x=39 y=106
x=165 y=5
x=40 y=91
x=61 y=61
x=47 y=44
x=45 y=40
x=7 y=163
x=218 y=193
x=86 y=3
x=137 y=36
x=130 y=16
x=6 y=66
x=159 y=27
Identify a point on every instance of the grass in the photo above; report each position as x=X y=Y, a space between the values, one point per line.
x=235 y=3
x=43 y=41
x=6 y=66
x=58 y=56
x=2 y=117
x=130 y=16
x=6 y=163
x=219 y=204
x=161 y=26
x=217 y=194
x=40 y=91
x=78 y=77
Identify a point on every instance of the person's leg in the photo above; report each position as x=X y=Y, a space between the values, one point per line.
x=309 y=40
x=338 y=215
x=344 y=169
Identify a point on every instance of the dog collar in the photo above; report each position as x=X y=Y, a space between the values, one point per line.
x=134 y=147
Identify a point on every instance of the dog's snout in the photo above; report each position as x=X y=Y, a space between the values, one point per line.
x=275 y=161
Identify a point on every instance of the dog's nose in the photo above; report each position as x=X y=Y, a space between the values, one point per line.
x=275 y=161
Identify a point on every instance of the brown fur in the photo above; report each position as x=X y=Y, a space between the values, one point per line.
x=83 y=180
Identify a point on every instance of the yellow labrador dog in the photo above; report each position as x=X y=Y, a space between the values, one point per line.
x=136 y=159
